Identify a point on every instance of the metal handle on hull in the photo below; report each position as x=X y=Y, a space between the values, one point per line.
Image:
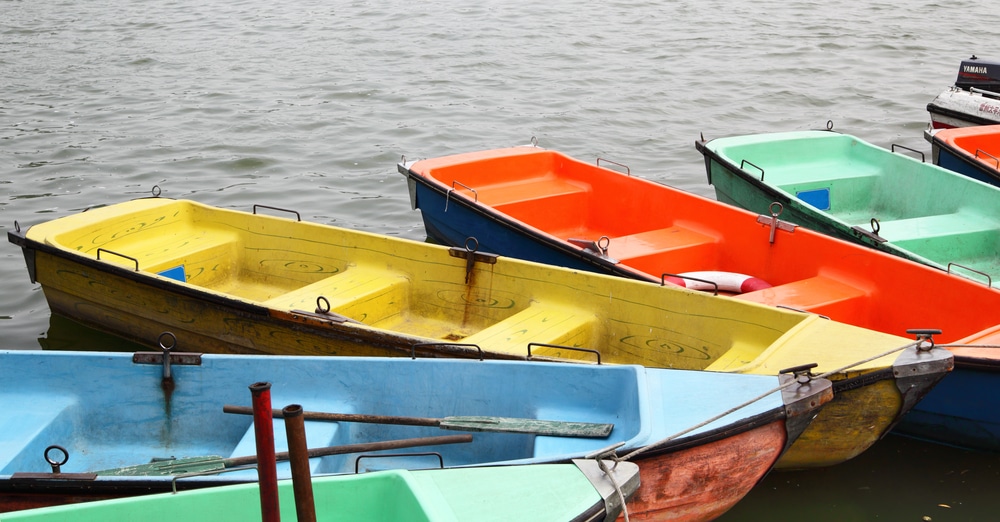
x=357 y=461
x=922 y=160
x=560 y=346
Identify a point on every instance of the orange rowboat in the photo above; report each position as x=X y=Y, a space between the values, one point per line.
x=973 y=151
x=541 y=205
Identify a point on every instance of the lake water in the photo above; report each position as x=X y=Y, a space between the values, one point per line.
x=309 y=104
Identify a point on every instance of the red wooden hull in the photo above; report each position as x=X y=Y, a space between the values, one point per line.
x=704 y=482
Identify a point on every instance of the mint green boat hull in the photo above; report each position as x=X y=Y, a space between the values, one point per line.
x=555 y=492
x=850 y=189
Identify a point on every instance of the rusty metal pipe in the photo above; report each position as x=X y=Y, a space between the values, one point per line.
x=298 y=452
x=267 y=464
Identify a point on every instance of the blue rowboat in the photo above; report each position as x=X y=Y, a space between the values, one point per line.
x=108 y=418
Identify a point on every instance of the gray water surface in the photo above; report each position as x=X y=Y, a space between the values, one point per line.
x=309 y=104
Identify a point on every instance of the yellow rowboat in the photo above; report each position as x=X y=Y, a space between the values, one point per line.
x=225 y=281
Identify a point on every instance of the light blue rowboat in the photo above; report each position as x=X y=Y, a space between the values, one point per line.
x=114 y=410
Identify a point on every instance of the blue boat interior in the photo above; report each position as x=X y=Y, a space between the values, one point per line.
x=77 y=401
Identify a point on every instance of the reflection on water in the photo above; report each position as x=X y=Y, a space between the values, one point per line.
x=897 y=479
x=66 y=334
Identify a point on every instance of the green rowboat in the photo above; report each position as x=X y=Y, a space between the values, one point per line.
x=556 y=492
x=887 y=199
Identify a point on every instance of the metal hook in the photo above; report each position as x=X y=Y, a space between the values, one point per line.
x=156 y=191
x=470 y=259
x=875 y=226
x=925 y=337
x=603 y=243
x=166 y=352
x=776 y=209
x=320 y=307
x=56 y=465
x=802 y=373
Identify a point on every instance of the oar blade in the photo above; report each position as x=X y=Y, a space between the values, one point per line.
x=530 y=426
x=168 y=467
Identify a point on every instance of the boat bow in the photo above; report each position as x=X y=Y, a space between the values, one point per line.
x=615 y=481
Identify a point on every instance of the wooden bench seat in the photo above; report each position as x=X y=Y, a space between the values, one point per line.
x=537 y=324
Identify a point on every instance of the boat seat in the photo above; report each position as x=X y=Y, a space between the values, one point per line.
x=820 y=294
x=546 y=205
x=358 y=292
x=936 y=226
x=839 y=191
x=739 y=354
x=538 y=324
x=201 y=255
x=542 y=188
x=821 y=171
x=671 y=249
x=22 y=430
x=319 y=434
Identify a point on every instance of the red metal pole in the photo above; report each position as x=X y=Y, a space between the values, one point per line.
x=298 y=452
x=267 y=464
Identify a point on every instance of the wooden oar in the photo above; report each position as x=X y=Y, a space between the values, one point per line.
x=213 y=463
x=497 y=424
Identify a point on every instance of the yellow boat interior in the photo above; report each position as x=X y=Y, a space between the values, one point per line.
x=432 y=292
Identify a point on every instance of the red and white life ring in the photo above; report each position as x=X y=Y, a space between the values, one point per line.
x=731 y=282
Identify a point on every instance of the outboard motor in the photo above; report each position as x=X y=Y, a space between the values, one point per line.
x=981 y=74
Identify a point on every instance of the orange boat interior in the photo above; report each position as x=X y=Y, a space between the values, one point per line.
x=657 y=230
x=981 y=142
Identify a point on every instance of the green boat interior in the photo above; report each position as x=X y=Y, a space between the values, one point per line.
x=863 y=187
